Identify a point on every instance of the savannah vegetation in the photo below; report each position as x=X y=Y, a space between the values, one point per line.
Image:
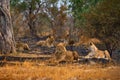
x=31 y=31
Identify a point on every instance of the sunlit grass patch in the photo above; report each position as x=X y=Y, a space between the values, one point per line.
x=31 y=71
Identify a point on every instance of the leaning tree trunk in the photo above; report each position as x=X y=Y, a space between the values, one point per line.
x=7 y=43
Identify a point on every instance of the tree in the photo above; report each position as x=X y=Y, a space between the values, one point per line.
x=79 y=7
x=30 y=10
x=38 y=13
x=7 y=42
x=57 y=17
x=103 y=22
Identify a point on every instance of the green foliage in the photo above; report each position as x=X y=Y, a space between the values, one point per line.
x=98 y=18
x=79 y=7
x=14 y=2
x=103 y=22
x=18 y=5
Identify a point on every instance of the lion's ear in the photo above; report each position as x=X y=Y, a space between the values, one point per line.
x=90 y=43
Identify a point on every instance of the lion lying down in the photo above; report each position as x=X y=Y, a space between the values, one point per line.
x=48 y=42
x=22 y=46
x=96 y=53
x=62 y=55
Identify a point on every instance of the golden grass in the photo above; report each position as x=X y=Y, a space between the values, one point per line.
x=32 y=55
x=32 y=71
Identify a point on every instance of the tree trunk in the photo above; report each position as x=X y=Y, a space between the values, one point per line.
x=32 y=28
x=7 y=42
x=31 y=22
x=110 y=50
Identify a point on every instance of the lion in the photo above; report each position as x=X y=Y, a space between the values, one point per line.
x=62 y=54
x=86 y=40
x=96 y=53
x=22 y=46
x=48 y=42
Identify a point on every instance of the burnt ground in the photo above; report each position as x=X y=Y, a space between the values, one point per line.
x=37 y=53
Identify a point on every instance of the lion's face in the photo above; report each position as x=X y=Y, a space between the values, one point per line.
x=86 y=47
x=61 y=47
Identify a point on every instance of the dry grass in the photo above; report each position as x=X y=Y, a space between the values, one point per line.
x=25 y=55
x=31 y=71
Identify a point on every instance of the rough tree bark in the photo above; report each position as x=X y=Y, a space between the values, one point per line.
x=7 y=42
x=31 y=21
x=32 y=28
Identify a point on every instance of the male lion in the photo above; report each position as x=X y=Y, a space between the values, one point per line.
x=96 y=53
